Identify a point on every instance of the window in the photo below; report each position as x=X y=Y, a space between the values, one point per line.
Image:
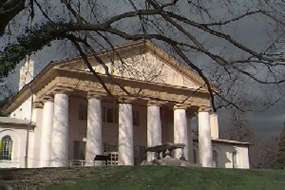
x=109 y=115
x=82 y=114
x=78 y=150
x=136 y=118
x=215 y=159
x=6 y=148
x=234 y=159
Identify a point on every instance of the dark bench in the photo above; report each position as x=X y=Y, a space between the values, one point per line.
x=104 y=158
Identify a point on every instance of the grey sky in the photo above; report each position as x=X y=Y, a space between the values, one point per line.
x=252 y=32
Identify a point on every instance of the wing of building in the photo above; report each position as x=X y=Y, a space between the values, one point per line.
x=64 y=115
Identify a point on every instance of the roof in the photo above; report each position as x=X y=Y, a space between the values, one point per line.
x=227 y=141
x=234 y=142
x=25 y=92
x=9 y=120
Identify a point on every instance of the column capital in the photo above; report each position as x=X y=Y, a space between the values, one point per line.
x=212 y=113
x=38 y=104
x=126 y=100
x=62 y=90
x=204 y=108
x=48 y=97
x=97 y=95
x=181 y=106
x=155 y=102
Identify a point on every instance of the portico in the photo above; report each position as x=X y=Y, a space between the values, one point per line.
x=61 y=125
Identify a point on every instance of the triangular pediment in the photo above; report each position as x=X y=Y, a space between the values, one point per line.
x=142 y=62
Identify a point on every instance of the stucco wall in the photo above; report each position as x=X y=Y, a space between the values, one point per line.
x=18 y=136
x=24 y=111
x=225 y=155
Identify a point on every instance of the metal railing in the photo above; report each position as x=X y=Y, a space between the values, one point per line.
x=112 y=161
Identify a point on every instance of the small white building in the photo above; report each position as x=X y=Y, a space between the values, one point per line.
x=65 y=115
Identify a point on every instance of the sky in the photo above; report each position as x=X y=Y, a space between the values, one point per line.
x=251 y=32
x=270 y=122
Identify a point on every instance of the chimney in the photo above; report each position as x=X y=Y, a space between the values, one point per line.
x=214 y=122
x=26 y=73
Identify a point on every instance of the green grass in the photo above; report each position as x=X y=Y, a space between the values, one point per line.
x=162 y=178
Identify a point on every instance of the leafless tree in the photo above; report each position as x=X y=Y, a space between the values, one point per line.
x=264 y=153
x=239 y=129
x=183 y=27
x=8 y=10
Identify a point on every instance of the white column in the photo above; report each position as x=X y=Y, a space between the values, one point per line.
x=205 y=142
x=214 y=121
x=45 y=141
x=180 y=131
x=126 y=141
x=60 y=132
x=35 y=143
x=33 y=135
x=154 y=135
x=94 y=145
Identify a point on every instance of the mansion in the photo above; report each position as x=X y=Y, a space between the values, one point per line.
x=64 y=116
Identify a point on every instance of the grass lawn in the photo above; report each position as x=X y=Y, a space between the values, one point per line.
x=156 y=178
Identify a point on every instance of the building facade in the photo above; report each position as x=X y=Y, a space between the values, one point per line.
x=140 y=98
